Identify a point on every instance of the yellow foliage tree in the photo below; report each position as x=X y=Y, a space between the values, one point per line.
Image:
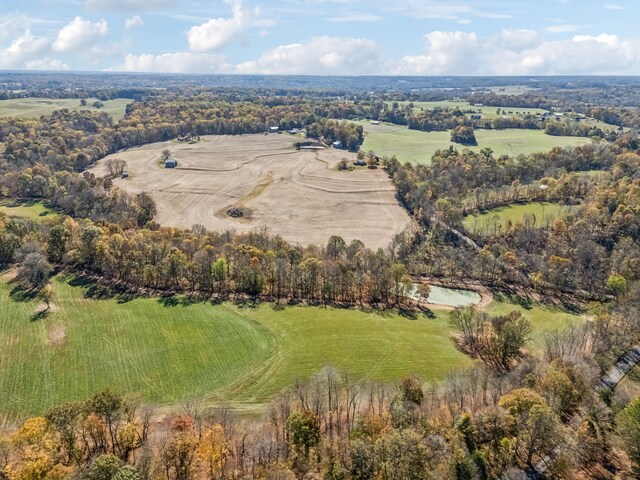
x=212 y=450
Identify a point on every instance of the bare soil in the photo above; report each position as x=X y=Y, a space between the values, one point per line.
x=299 y=195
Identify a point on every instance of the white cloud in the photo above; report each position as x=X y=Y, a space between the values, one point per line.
x=218 y=32
x=448 y=53
x=522 y=52
x=79 y=34
x=24 y=51
x=564 y=28
x=613 y=6
x=12 y=24
x=439 y=10
x=355 y=18
x=178 y=62
x=321 y=56
x=515 y=39
x=135 y=21
x=583 y=54
x=128 y=5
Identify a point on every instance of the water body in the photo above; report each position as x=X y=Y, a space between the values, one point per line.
x=451 y=297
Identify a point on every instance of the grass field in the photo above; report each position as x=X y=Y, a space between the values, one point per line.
x=169 y=351
x=543 y=318
x=545 y=214
x=30 y=210
x=36 y=107
x=418 y=147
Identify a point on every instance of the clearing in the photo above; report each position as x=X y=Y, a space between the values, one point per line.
x=418 y=147
x=36 y=107
x=169 y=349
x=31 y=210
x=298 y=194
x=495 y=220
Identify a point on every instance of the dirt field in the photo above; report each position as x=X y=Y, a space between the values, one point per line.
x=297 y=194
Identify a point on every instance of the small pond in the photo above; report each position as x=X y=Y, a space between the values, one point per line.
x=451 y=297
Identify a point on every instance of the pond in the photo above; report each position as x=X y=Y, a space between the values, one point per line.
x=451 y=297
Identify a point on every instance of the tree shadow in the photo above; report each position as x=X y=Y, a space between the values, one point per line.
x=173 y=300
x=251 y=303
x=408 y=313
x=427 y=312
x=21 y=294
x=40 y=315
x=97 y=290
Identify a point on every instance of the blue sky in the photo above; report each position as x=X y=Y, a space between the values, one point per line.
x=390 y=37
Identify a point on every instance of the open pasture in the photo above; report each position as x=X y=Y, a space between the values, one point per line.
x=297 y=194
x=30 y=210
x=170 y=349
x=36 y=107
x=495 y=220
x=418 y=147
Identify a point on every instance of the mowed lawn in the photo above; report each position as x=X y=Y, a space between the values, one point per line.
x=418 y=147
x=223 y=352
x=36 y=107
x=30 y=210
x=496 y=219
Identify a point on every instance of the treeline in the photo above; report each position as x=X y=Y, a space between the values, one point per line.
x=444 y=118
x=222 y=264
x=81 y=196
x=579 y=129
x=74 y=140
x=543 y=417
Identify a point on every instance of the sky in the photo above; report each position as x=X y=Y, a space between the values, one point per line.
x=323 y=37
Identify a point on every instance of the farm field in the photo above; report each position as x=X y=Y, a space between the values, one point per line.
x=32 y=210
x=168 y=351
x=544 y=212
x=418 y=147
x=296 y=194
x=36 y=107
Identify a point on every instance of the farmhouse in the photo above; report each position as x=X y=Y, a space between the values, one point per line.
x=274 y=129
x=170 y=163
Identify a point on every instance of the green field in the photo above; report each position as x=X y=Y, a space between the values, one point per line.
x=36 y=107
x=418 y=147
x=168 y=350
x=497 y=218
x=30 y=210
x=486 y=111
x=543 y=318
x=168 y=353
